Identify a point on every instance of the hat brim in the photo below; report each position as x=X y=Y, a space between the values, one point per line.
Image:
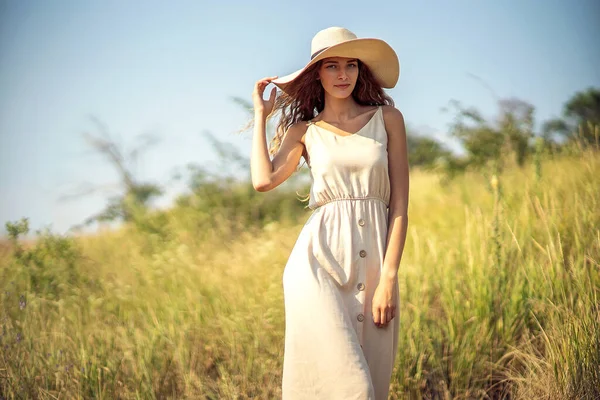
x=379 y=56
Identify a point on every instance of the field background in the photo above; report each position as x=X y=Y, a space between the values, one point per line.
x=127 y=131
x=499 y=283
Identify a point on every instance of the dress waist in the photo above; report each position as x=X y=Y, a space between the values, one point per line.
x=321 y=203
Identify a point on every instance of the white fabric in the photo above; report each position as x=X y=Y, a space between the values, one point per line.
x=333 y=350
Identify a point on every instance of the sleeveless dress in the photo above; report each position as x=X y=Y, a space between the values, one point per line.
x=333 y=349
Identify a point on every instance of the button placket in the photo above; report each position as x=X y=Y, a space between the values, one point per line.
x=360 y=317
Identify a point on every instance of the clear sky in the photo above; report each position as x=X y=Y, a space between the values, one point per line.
x=171 y=68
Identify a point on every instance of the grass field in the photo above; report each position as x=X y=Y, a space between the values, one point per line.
x=499 y=283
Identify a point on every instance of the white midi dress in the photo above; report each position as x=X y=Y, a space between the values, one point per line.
x=333 y=349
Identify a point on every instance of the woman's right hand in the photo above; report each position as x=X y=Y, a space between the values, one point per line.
x=262 y=106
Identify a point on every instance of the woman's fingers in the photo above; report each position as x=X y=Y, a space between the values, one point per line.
x=376 y=316
x=265 y=81
x=383 y=316
x=261 y=84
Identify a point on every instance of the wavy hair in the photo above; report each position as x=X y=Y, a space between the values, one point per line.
x=304 y=98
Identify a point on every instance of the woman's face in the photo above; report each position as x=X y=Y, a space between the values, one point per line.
x=338 y=75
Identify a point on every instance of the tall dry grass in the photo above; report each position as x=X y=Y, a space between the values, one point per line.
x=499 y=299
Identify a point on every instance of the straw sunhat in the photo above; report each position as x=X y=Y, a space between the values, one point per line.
x=340 y=42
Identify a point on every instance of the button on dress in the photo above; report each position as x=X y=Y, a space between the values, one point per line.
x=333 y=349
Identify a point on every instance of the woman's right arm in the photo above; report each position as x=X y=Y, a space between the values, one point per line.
x=267 y=174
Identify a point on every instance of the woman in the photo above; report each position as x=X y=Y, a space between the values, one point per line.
x=341 y=280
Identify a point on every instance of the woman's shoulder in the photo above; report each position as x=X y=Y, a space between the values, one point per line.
x=393 y=121
x=297 y=130
x=392 y=115
x=299 y=127
x=391 y=111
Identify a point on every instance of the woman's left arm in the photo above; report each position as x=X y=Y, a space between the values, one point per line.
x=384 y=302
x=399 y=184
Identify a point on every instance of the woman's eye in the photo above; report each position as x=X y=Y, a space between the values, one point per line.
x=352 y=65
x=331 y=66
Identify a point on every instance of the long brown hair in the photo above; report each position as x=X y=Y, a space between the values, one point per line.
x=304 y=98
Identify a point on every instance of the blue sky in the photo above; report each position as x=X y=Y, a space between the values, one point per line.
x=171 y=69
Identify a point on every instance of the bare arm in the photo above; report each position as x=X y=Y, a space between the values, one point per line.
x=384 y=301
x=267 y=174
x=399 y=184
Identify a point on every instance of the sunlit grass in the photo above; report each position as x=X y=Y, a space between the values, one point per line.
x=499 y=295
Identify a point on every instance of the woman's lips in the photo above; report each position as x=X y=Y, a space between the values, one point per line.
x=345 y=86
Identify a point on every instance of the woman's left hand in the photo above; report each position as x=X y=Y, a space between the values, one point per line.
x=384 y=303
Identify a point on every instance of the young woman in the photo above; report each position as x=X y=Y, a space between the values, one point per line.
x=341 y=280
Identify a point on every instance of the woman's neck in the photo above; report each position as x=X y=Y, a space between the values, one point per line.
x=339 y=110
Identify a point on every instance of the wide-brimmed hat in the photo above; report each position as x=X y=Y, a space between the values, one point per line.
x=340 y=42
